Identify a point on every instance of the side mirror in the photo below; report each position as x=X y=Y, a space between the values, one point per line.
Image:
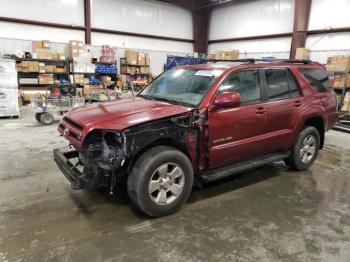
x=227 y=100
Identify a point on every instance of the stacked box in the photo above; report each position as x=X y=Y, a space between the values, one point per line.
x=144 y=70
x=338 y=63
x=346 y=103
x=141 y=58
x=46 y=79
x=50 y=68
x=131 y=57
x=75 y=48
x=128 y=70
x=107 y=54
x=227 y=55
x=147 y=59
x=302 y=54
x=8 y=88
x=79 y=79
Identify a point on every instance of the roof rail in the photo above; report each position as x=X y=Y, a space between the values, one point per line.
x=253 y=61
x=247 y=60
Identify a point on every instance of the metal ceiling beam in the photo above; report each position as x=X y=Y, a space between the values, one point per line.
x=87 y=18
x=300 y=26
x=40 y=23
x=201 y=30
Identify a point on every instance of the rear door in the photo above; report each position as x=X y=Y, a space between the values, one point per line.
x=284 y=103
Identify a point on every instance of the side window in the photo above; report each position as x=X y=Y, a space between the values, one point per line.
x=277 y=84
x=247 y=83
x=317 y=78
x=293 y=87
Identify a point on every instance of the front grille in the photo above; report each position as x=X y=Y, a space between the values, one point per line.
x=72 y=123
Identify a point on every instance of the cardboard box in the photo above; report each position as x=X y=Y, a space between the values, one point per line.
x=128 y=70
x=131 y=61
x=346 y=103
x=46 y=79
x=46 y=44
x=147 y=59
x=60 y=69
x=61 y=56
x=89 y=89
x=44 y=54
x=76 y=44
x=33 y=66
x=144 y=70
x=79 y=79
x=338 y=63
x=131 y=54
x=55 y=56
x=302 y=54
x=37 y=45
x=75 y=52
x=50 y=68
x=227 y=55
x=141 y=58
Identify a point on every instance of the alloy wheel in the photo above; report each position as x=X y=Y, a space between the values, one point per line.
x=166 y=184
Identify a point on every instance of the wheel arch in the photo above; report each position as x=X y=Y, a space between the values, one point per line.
x=318 y=123
x=164 y=141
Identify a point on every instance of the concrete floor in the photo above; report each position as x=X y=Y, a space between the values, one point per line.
x=271 y=214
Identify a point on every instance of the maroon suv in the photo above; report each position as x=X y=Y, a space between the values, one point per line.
x=199 y=123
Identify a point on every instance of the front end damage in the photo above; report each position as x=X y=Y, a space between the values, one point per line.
x=105 y=156
x=97 y=163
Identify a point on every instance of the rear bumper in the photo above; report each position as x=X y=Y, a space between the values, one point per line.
x=74 y=176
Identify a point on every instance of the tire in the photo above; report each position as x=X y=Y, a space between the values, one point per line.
x=303 y=156
x=37 y=117
x=151 y=176
x=46 y=118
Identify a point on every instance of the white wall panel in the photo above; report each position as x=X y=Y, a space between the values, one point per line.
x=278 y=47
x=55 y=11
x=141 y=43
x=329 y=13
x=32 y=32
x=141 y=16
x=248 y=18
x=322 y=46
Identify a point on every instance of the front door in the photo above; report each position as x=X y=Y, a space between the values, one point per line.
x=237 y=134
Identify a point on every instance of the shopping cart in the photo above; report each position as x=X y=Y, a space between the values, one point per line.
x=45 y=108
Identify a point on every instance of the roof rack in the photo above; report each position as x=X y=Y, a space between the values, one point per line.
x=253 y=61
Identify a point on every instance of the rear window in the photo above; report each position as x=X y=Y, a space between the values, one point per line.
x=317 y=78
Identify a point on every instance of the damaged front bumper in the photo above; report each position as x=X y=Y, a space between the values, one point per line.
x=71 y=172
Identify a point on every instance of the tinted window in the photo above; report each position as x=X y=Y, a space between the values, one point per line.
x=247 y=83
x=293 y=87
x=277 y=84
x=317 y=78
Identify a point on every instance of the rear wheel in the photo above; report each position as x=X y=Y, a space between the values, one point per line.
x=160 y=181
x=305 y=150
x=46 y=118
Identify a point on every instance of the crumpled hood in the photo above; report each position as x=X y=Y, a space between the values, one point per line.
x=121 y=114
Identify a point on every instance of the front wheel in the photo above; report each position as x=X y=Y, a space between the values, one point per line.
x=160 y=181
x=305 y=150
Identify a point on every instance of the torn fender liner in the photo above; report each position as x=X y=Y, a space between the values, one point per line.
x=77 y=179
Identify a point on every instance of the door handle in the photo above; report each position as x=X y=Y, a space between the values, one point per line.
x=297 y=103
x=260 y=110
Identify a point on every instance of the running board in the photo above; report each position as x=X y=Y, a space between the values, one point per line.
x=230 y=170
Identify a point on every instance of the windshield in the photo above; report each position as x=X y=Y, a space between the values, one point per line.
x=182 y=86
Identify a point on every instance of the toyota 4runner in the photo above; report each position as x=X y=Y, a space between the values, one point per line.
x=199 y=123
